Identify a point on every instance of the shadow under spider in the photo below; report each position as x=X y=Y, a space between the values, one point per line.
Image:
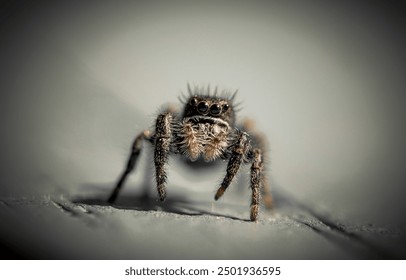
x=145 y=202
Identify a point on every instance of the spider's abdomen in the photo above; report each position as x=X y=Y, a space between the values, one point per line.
x=206 y=140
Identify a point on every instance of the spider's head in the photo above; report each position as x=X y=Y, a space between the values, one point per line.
x=206 y=107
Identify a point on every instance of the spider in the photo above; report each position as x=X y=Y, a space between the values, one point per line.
x=205 y=131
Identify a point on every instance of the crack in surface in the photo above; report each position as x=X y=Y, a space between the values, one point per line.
x=77 y=211
x=65 y=208
x=4 y=203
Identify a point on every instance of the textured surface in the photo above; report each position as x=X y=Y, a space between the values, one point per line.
x=141 y=227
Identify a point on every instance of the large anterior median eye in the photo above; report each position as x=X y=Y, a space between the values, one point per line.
x=203 y=107
x=215 y=110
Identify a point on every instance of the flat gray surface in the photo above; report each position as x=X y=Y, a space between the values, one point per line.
x=324 y=82
x=139 y=227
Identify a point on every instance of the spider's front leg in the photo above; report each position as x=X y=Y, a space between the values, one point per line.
x=163 y=138
x=240 y=149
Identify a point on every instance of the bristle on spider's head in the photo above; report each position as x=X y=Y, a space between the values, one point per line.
x=207 y=91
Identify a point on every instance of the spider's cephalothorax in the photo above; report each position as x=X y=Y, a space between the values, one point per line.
x=204 y=130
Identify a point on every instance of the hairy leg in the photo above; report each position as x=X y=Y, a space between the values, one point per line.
x=132 y=160
x=266 y=192
x=256 y=169
x=238 y=153
x=161 y=152
x=260 y=140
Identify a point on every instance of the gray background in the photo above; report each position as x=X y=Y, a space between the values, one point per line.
x=324 y=82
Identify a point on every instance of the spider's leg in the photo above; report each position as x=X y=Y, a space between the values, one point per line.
x=260 y=140
x=256 y=169
x=266 y=192
x=239 y=151
x=135 y=152
x=265 y=185
x=162 y=147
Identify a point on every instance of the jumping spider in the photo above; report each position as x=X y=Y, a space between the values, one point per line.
x=205 y=130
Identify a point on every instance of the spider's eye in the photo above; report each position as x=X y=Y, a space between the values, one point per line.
x=203 y=107
x=215 y=109
x=225 y=107
x=193 y=101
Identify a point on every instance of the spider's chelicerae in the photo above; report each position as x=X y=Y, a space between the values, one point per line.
x=205 y=130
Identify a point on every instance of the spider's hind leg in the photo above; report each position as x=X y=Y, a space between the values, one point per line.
x=132 y=160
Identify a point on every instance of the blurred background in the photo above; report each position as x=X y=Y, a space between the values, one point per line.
x=324 y=81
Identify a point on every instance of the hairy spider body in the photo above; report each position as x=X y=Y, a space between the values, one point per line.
x=201 y=138
x=205 y=130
